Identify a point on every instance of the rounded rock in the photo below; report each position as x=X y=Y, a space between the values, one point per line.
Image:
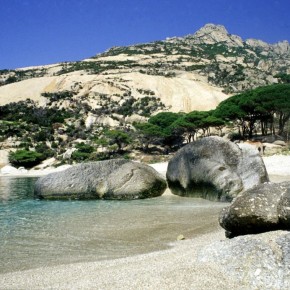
x=215 y=169
x=109 y=179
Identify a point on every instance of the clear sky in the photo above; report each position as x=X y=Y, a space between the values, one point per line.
x=36 y=32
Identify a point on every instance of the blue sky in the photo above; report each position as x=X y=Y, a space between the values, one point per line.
x=36 y=32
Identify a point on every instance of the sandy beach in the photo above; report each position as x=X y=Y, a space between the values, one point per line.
x=176 y=268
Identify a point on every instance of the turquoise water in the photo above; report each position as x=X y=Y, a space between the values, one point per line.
x=35 y=233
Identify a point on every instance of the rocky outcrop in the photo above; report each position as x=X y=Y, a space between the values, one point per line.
x=255 y=261
x=68 y=153
x=110 y=179
x=102 y=121
x=215 y=169
x=262 y=208
x=201 y=61
x=211 y=34
x=4 y=157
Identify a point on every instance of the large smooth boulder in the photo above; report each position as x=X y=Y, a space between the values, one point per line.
x=255 y=261
x=215 y=169
x=110 y=179
x=262 y=208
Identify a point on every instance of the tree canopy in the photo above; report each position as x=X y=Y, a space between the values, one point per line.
x=260 y=105
x=189 y=124
x=118 y=137
x=170 y=129
x=148 y=133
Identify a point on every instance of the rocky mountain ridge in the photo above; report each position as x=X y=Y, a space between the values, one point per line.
x=194 y=72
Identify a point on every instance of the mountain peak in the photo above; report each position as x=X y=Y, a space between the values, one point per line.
x=212 y=33
x=212 y=28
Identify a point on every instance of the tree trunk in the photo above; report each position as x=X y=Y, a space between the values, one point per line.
x=263 y=127
x=283 y=118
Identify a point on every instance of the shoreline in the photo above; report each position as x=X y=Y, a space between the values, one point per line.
x=278 y=168
x=177 y=267
x=173 y=268
x=276 y=165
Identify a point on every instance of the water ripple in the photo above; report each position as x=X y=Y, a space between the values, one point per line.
x=38 y=233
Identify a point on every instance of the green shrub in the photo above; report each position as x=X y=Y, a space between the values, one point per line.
x=83 y=152
x=25 y=158
x=10 y=80
x=43 y=149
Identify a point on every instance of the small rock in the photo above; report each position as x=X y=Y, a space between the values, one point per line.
x=280 y=143
x=180 y=238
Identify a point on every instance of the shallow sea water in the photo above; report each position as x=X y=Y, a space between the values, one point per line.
x=36 y=233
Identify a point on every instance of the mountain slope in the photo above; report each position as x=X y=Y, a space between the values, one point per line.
x=185 y=92
x=195 y=72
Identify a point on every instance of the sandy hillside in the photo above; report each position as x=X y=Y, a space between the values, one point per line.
x=185 y=92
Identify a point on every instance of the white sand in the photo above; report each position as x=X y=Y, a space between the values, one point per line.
x=278 y=165
x=176 y=268
x=160 y=167
x=32 y=172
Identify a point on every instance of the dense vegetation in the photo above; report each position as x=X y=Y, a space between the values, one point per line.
x=25 y=158
x=43 y=132
x=265 y=109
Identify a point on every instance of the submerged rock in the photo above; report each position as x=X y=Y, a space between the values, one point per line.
x=109 y=179
x=262 y=208
x=215 y=169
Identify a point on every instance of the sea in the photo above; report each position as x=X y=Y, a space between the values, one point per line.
x=38 y=233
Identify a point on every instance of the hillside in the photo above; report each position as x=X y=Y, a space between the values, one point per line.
x=194 y=72
x=61 y=108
